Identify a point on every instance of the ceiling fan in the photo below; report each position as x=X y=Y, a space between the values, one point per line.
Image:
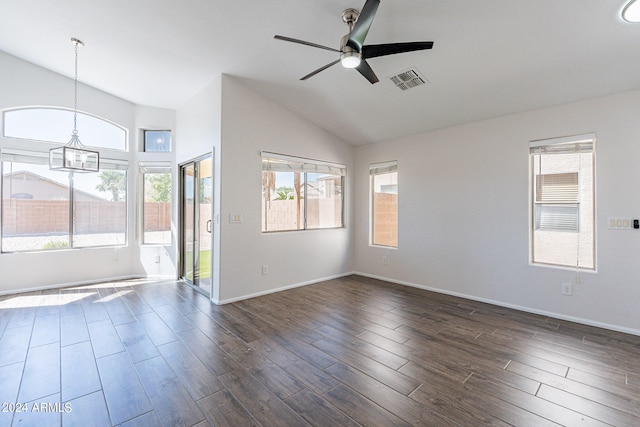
x=353 y=52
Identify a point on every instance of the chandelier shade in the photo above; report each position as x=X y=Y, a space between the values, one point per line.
x=74 y=157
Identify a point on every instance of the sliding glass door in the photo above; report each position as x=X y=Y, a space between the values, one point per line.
x=196 y=222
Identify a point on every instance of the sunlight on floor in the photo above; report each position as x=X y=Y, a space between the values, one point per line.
x=73 y=294
x=115 y=284
x=25 y=301
x=113 y=296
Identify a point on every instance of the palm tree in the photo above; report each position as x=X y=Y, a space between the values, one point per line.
x=284 y=193
x=268 y=185
x=296 y=186
x=114 y=182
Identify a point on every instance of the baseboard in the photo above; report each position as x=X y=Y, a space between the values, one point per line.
x=560 y=316
x=72 y=284
x=280 y=289
x=161 y=277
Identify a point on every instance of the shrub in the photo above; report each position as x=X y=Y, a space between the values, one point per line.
x=55 y=244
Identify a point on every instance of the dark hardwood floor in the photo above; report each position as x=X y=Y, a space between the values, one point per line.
x=350 y=351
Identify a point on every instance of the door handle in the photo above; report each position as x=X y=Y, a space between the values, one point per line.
x=209 y=226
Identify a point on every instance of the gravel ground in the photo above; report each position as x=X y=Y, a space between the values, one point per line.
x=36 y=243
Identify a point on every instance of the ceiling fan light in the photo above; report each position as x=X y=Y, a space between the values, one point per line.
x=631 y=12
x=350 y=59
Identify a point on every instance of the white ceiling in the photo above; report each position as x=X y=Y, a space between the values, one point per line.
x=490 y=58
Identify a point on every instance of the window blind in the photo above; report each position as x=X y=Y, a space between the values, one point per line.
x=564 y=145
x=282 y=163
x=42 y=158
x=29 y=157
x=385 y=167
x=155 y=167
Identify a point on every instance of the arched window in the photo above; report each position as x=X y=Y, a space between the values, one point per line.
x=55 y=124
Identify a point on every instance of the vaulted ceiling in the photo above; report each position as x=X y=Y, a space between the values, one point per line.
x=490 y=58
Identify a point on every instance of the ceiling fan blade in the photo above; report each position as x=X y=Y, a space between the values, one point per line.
x=365 y=69
x=374 y=50
x=313 y=73
x=319 y=46
x=361 y=28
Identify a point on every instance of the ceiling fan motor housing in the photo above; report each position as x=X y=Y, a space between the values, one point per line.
x=349 y=57
x=350 y=17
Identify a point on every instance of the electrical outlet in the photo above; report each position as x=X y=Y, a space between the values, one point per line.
x=157 y=259
x=265 y=270
x=567 y=289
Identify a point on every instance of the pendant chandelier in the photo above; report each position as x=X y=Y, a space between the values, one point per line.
x=74 y=157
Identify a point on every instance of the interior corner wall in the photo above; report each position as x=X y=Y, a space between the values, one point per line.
x=250 y=124
x=156 y=260
x=198 y=125
x=464 y=213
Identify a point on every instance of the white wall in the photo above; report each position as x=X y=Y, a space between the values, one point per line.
x=250 y=124
x=464 y=212
x=199 y=132
x=237 y=124
x=25 y=84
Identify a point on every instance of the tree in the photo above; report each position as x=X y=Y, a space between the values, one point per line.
x=268 y=185
x=158 y=187
x=296 y=186
x=284 y=193
x=113 y=182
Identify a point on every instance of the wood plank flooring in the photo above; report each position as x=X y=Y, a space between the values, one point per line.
x=346 y=352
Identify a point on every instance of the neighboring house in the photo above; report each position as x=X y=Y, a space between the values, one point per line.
x=30 y=186
x=37 y=205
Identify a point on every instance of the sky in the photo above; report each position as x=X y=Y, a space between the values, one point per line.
x=56 y=125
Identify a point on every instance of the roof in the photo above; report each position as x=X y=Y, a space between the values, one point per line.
x=23 y=194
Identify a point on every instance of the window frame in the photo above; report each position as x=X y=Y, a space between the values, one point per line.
x=41 y=153
x=578 y=144
x=145 y=168
x=271 y=161
x=378 y=169
x=144 y=141
x=6 y=113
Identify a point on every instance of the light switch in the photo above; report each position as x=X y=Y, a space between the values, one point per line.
x=619 y=223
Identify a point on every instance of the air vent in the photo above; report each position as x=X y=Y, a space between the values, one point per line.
x=408 y=79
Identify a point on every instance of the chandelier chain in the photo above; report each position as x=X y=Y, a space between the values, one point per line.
x=75 y=89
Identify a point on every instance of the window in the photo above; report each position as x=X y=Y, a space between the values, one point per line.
x=157 y=141
x=301 y=194
x=100 y=206
x=44 y=209
x=55 y=125
x=156 y=203
x=563 y=206
x=384 y=204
